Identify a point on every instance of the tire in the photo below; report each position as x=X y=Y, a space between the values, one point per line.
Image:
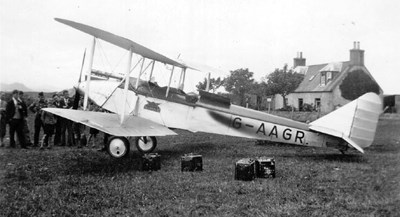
x=118 y=147
x=145 y=144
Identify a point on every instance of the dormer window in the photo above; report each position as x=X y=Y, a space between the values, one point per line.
x=329 y=72
x=326 y=77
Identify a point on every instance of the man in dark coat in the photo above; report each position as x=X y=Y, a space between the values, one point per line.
x=36 y=107
x=26 y=127
x=58 y=103
x=16 y=111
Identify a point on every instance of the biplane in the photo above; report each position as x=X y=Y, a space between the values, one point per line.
x=140 y=108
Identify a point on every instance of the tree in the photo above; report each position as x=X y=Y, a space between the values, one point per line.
x=283 y=82
x=239 y=82
x=356 y=84
x=214 y=84
x=260 y=89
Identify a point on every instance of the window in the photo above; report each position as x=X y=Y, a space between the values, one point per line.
x=317 y=103
x=323 y=78
x=328 y=76
x=300 y=104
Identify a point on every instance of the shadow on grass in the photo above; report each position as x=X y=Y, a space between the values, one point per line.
x=346 y=158
x=86 y=162
x=90 y=162
x=180 y=149
x=384 y=148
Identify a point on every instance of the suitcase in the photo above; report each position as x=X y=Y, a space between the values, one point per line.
x=265 y=167
x=245 y=169
x=191 y=162
x=150 y=162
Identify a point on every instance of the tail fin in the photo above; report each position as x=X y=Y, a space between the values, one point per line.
x=355 y=122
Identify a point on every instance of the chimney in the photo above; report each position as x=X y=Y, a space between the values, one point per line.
x=357 y=55
x=299 y=60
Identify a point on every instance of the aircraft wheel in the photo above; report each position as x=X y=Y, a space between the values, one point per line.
x=146 y=144
x=118 y=147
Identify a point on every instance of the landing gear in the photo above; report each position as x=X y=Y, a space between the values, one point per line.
x=118 y=147
x=145 y=144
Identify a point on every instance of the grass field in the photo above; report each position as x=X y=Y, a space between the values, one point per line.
x=309 y=182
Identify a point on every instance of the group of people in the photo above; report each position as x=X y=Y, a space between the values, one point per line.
x=66 y=133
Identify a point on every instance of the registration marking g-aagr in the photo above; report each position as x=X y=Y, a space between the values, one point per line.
x=271 y=131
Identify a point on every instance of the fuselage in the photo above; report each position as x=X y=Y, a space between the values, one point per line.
x=203 y=113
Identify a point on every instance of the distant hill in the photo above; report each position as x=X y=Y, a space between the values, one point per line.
x=23 y=87
x=13 y=86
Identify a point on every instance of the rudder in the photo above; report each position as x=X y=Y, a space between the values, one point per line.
x=355 y=122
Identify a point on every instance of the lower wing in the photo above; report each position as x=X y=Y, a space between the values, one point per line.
x=110 y=123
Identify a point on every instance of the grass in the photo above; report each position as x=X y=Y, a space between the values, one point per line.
x=310 y=181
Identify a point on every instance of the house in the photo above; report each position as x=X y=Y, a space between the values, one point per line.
x=391 y=104
x=328 y=86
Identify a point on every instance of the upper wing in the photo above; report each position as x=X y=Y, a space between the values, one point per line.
x=136 y=48
x=121 y=42
x=109 y=123
x=201 y=67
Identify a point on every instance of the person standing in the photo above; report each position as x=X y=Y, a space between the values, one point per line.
x=66 y=125
x=15 y=112
x=36 y=107
x=93 y=131
x=49 y=121
x=58 y=104
x=26 y=127
x=3 y=119
x=79 y=129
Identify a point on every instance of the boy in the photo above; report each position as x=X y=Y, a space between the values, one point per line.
x=49 y=121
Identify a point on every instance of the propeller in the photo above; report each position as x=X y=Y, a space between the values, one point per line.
x=77 y=93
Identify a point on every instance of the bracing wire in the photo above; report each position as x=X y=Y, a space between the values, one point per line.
x=112 y=68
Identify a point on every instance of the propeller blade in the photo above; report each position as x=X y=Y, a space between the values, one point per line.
x=76 y=100
x=83 y=62
x=77 y=93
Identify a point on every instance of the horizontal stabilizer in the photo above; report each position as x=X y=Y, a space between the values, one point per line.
x=353 y=144
x=355 y=122
x=110 y=123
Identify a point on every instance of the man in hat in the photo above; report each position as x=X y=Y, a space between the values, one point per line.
x=58 y=104
x=66 y=125
x=36 y=108
x=16 y=111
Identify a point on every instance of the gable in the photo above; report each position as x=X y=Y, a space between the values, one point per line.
x=312 y=76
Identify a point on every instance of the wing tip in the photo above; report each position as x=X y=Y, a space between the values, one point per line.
x=58 y=19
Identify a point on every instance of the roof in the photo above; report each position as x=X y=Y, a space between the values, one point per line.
x=312 y=76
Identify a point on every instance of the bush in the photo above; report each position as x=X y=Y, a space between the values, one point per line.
x=307 y=108
x=288 y=108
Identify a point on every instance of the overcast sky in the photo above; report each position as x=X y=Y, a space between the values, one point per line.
x=259 y=35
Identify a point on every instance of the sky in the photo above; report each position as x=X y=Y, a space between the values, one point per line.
x=226 y=34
